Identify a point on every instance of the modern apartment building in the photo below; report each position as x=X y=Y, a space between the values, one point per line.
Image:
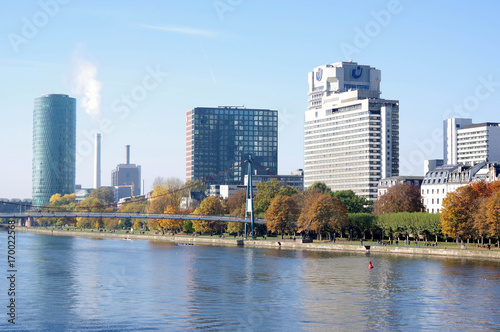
x=351 y=134
x=218 y=138
x=450 y=138
x=54 y=147
x=478 y=142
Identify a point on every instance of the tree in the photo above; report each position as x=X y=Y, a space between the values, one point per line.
x=175 y=224
x=166 y=192
x=266 y=191
x=322 y=212
x=480 y=217
x=104 y=195
x=194 y=185
x=236 y=204
x=211 y=206
x=58 y=203
x=92 y=204
x=352 y=202
x=235 y=227
x=362 y=223
x=137 y=224
x=493 y=215
x=402 y=197
x=132 y=207
x=458 y=211
x=319 y=187
x=282 y=211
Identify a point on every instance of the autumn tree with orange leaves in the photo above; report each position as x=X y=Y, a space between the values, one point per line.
x=472 y=211
x=280 y=214
x=322 y=213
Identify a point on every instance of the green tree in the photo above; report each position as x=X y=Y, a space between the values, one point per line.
x=266 y=191
x=362 y=223
x=353 y=202
x=319 y=187
x=282 y=211
x=104 y=195
x=194 y=185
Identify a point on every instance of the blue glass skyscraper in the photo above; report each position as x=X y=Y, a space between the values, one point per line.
x=54 y=147
x=218 y=138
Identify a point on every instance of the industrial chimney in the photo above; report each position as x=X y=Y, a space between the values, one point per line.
x=97 y=161
x=127 y=154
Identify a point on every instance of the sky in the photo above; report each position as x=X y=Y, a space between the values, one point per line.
x=136 y=67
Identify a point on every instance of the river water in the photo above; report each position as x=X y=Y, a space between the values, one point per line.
x=84 y=284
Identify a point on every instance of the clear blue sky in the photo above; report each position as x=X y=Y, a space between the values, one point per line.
x=433 y=56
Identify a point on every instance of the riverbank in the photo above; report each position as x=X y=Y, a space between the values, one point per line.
x=278 y=243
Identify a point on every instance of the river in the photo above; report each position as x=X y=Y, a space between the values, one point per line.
x=85 y=284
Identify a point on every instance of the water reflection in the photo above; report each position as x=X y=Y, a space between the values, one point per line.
x=116 y=285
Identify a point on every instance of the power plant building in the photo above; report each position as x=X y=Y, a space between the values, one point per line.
x=54 y=147
x=219 y=138
x=126 y=178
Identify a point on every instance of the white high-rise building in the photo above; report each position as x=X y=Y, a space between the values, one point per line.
x=450 y=131
x=351 y=135
x=477 y=143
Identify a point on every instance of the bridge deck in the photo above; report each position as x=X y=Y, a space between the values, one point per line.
x=127 y=215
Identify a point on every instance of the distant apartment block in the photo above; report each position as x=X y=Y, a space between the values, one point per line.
x=218 y=138
x=450 y=138
x=478 y=142
x=351 y=137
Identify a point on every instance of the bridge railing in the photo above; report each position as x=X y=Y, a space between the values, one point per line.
x=126 y=215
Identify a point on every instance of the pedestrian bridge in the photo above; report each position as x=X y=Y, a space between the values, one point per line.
x=31 y=214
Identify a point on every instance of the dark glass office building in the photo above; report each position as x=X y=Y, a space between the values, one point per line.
x=222 y=137
x=54 y=147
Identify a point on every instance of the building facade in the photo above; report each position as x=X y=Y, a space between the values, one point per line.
x=448 y=178
x=54 y=147
x=478 y=142
x=296 y=179
x=219 y=138
x=351 y=138
x=126 y=178
x=450 y=138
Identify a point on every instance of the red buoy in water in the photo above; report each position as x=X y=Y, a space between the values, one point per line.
x=370 y=266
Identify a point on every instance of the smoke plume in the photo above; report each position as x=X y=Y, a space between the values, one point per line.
x=87 y=86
